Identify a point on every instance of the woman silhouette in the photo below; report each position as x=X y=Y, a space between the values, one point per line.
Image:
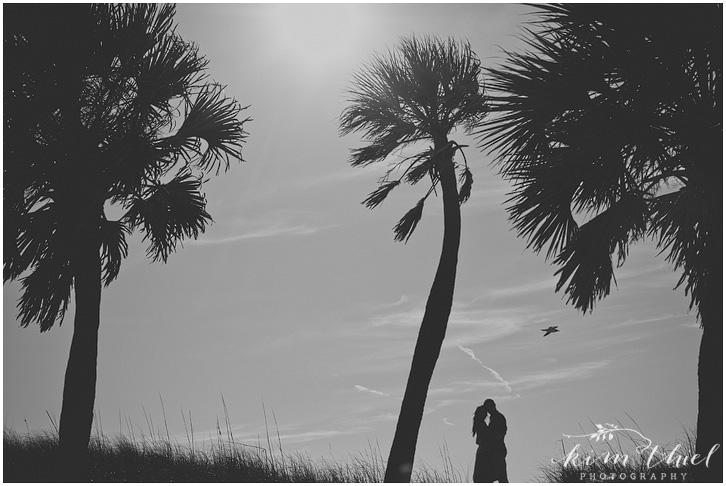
x=490 y=464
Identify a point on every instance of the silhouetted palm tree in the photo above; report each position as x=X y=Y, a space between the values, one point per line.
x=615 y=113
x=104 y=106
x=419 y=93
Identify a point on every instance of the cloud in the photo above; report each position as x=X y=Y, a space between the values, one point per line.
x=480 y=324
x=298 y=437
x=407 y=318
x=633 y=321
x=387 y=306
x=299 y=433
x=435 y=405
x=267 y=232
x=339 y=176
x=401 y=301
x=386 y=334
x=389 y=331
x=496 y=375
x=446 y=421
x=467 y=385
x=443 y=390
x=368 y=390
x=527 y=288
x=574 y=372
x=310 y=436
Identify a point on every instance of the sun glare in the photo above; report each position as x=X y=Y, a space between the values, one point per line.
x=317 y=36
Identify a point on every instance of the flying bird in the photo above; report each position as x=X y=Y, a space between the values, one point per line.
x=550 y=330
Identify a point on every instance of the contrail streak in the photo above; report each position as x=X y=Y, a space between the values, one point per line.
x=496 y=375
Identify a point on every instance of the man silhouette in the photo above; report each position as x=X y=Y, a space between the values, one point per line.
x=490 y=464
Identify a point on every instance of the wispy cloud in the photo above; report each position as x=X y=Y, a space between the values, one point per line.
x=352 y=173
x=393 y=329
x=494 y=373
x=273 y=230
x=401 y=301
x=368 y=390
x=310 y=436
x=300 y=433
x=406 y=318
x=292 y=438
x=442 y=390
x=486 y=323
x=546 y=284
x=633 y=321
x=548 y=377
x=436 y=405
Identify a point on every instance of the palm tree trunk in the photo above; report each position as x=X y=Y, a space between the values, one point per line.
x=709 y=427
x=431 y=334
x=708 y=147
x=79 y=390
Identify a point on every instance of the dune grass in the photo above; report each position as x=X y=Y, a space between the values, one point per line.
x=158 y=457
x=155 y=456
x=34 y=458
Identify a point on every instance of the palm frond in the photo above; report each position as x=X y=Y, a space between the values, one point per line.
x=540 y=205
x=41 y=248
x=379 y=195
x=422 y=90
x=137 y=80
x=688 y=245
x=12 y=228
x=135 y=162
x=586 y=261
x=34 y=241
x=467 y=180
x=380 y=148
x=129 y=31
x=46 y=292
x=167 y=73
x=405 y=227
x=424 y=163
x=597 y=106
x=213 y=119
x=113 y=248
x=169 y=213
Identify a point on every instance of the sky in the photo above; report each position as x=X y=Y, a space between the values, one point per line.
x=298 y=309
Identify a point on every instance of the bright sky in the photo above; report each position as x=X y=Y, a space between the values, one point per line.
x=299 y=299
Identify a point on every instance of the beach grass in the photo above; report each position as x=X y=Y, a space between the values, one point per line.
x=34 y=457
x=156 y=456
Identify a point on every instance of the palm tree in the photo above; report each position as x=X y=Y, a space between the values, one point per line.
x=419 y=93
x=615 y=113
x=105 y=106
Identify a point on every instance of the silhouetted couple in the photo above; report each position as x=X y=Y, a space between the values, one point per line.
x=490 y=464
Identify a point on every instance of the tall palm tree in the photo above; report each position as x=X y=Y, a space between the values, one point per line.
x=615 y=113
x=105 y=105
x=419 y=93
